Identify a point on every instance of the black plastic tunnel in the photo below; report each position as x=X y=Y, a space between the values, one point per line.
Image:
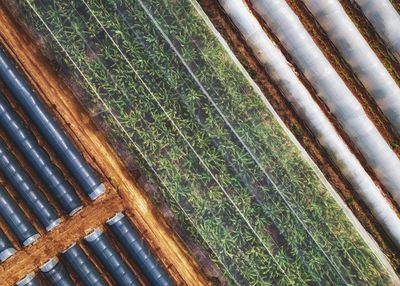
x=24 y=186
x=111 y=260
x=55 y=273
x=83 y=267
x=6 y=248
x=29 y=280
x=16 y=220
x=49 y=128
x=38 y=158
x=138 y=251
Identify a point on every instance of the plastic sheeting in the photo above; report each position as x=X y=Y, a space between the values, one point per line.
x=29 y=280
x=27 y=190
x=332 y=90
x=138 y=251
x=16 y=220
x=111 y=260
x=24 y=140
x=6 y=248
x=50 y=129
x=358 y=54
x=294 y=91
x=82 y=266
x=55 y=273
x=385 y=19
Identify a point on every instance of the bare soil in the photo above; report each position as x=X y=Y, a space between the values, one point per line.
x=123 y=193
x=396 y=5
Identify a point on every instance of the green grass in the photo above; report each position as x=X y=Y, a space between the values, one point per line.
x=224 y=162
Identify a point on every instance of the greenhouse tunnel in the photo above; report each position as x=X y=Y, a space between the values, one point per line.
x=138 y=251
x=16 y=220
x=6 y=248
x=81 y=267
x=84 y=268
x=29 y=280
x=49 y=128
x=40 y=161
x=111 y=260
x=27 y=190
x=64 y=194
x=55 y=273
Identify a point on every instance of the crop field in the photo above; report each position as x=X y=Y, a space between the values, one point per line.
x=167 y=89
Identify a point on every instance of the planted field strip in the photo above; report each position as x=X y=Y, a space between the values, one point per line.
x=122 y=194
x=209 y=139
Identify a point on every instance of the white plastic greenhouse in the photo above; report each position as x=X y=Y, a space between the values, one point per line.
x=385 y=20
x=333 y=91
x=359 y=55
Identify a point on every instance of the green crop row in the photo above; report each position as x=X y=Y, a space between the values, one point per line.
x=172 y=94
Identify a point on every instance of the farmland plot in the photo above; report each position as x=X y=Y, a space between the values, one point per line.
x=172 y=93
